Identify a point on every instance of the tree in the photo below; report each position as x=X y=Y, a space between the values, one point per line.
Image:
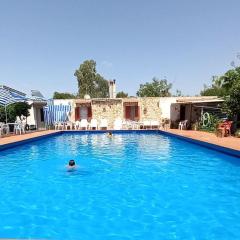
x=122 y=95
x=157 y=88
x=90 y=82
x=216 y=89
x=230 y=78
x=59 y=95
x=178 y=93
x=227 y=86
x=22 y=110
x=15 y=110
x=101 y=87
x=232 y=101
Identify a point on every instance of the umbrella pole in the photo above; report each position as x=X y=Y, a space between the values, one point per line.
x=6 y=113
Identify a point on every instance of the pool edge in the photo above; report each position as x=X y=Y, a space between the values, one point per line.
x=28 y=140
x=218 y=148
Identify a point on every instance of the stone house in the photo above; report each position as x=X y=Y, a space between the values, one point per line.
x=174 y=109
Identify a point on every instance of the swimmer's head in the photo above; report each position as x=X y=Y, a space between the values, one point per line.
x=110 y=133
x=71 y=163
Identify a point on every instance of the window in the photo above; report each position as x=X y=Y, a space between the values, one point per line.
x=41 y=115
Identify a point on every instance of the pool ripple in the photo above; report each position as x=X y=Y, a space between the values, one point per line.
x=133 y=186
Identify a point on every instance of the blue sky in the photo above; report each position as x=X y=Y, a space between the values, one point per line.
x=187 y=41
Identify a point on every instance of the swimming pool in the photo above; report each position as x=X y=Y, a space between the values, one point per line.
x=133 y=186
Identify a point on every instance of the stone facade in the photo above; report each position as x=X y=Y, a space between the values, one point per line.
x=109 y=109
x=140 y=109
x=150 y=108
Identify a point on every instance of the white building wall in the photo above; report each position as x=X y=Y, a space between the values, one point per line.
x=63 y=101
x=31 y=120
x=165 y=105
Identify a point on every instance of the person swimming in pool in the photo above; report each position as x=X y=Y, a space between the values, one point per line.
x=110 y=135
x=71 y=165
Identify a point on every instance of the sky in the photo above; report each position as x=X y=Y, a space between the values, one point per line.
x=42 y=43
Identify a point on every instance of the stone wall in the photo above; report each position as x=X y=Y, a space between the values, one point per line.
x=149 y=109
x=109 y=109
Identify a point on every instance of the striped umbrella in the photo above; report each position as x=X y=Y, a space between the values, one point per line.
x=9 y=96
x=56 y=113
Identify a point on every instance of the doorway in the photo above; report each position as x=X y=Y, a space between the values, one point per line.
x=182 y=112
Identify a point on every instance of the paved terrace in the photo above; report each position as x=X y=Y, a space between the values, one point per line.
x=229 y=142
x=17 y=138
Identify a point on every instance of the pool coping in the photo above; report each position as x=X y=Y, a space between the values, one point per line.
x=225 y=150
x=24 y=141
x=218 y=148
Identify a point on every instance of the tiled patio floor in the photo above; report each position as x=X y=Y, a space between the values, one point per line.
x=16 y=138
x=229 y=142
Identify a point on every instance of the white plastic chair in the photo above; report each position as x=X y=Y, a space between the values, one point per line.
x=4 y=129
x=68 y=125
x=136 y=125
x=23 y=126
x=103 y=124
x=1 y=129
x=19 y=128
x=117 y=125
x=59 y=126
x=155 y=124
x=77 y=124
x=84 y=124
x=93 y=124
x=146 y=124
x=182 y=125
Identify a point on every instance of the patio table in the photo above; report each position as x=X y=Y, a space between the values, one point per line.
x=13 y=124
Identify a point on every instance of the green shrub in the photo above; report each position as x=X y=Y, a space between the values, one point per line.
x=237 y=133
x=209 y=125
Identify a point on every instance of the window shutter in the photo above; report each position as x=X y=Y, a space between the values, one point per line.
x=127 y=112
x=137 y=111
x=77 y=113
x=89 y=112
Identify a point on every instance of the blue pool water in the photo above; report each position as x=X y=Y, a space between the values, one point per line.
x=133 y=186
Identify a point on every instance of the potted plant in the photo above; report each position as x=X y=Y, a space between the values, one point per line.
x=237 y=133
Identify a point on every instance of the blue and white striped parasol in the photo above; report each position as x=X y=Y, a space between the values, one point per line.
x=9 y=96
x=56 y=113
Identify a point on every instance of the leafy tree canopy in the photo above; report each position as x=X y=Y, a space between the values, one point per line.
x=216 y=89
x=22 y=110
x=178 y=93
x=59 y=95
x=232 y=101
x=228 y=87
x=15 y=110
x=156 y=88
x=221 y=86
x=122 y=95
x=90 y=82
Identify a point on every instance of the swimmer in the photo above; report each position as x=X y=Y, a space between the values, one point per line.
x=110 y=134
x=71 y=165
